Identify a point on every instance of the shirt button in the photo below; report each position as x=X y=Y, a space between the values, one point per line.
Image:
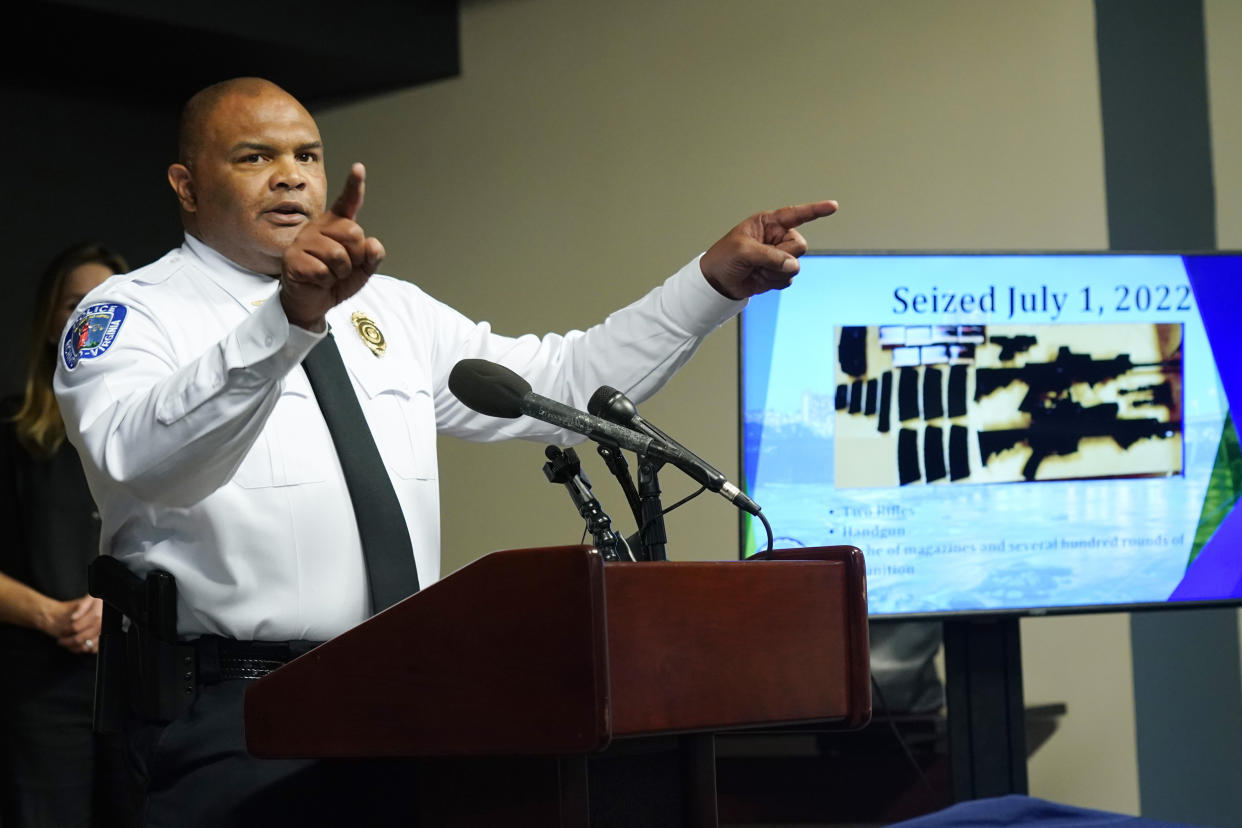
x=267 y=340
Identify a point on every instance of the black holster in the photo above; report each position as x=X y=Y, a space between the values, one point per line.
x=143 y=670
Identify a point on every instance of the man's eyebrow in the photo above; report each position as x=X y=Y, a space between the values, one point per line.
x=260 y=147
x=251 y=145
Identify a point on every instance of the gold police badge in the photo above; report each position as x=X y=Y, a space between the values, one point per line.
x=370 y=334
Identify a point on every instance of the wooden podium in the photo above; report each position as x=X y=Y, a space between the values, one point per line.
x=517 y=677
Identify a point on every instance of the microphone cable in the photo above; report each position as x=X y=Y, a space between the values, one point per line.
x=767 y=527
x=642 y=530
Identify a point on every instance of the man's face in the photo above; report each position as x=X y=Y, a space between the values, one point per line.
x=256 y=179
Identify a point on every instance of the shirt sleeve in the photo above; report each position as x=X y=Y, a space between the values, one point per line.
x=173 y=433
x=636 y=350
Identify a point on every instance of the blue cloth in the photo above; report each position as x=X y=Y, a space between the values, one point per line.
x=1015 y=810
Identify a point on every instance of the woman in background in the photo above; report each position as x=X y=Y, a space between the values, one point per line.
x=54 y=771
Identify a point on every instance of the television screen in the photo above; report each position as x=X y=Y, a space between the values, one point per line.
x=1003 y=432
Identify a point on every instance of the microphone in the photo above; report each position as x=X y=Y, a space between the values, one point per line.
x=610 y=404
x=496 y=391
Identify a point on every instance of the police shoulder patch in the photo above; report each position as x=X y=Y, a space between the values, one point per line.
x=92 y=333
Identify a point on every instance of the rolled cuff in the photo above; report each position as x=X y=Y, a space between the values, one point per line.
x=690 y=299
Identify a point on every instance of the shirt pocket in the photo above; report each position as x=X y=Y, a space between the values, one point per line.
x=401 y=415
x=294 y=447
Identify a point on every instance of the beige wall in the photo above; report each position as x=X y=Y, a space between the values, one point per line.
x=588 y=149
x=1223 y=20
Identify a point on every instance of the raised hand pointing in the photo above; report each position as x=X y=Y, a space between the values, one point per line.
x=330 y=260
x=761 y=253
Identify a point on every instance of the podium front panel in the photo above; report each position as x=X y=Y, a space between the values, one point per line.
x=705 y=646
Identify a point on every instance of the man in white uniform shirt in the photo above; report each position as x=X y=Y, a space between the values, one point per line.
x=182 y=388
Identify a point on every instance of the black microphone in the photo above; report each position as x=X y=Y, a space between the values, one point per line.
x=610 y=404
x=496 y=391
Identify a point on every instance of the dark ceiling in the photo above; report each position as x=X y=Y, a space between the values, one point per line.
x=157 y=52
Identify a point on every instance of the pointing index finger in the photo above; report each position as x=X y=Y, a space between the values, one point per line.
x=790 y=217
x=349 y=202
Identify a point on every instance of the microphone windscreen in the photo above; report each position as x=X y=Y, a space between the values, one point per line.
x=488 y=388
x=613 y=406
x=599 y=401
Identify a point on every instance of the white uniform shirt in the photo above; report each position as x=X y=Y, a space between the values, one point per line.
x=208 y=456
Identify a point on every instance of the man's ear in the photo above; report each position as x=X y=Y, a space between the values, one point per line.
x=182 y=182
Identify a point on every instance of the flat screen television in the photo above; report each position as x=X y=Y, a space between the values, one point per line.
x=1003 y=432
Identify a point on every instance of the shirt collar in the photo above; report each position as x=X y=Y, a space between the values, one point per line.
x=249 y=288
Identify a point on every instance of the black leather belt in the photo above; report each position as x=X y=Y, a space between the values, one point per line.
x=224 y=659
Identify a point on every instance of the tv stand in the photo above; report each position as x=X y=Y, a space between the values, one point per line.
x=986 y=718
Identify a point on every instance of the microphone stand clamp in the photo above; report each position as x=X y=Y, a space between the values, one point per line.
x=563 y=466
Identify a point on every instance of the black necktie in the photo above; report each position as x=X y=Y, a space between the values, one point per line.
x=385 y=538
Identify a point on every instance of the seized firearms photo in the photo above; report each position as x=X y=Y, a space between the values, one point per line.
x=1007 y=403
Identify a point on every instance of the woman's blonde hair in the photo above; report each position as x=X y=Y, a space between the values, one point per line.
x=39 y=425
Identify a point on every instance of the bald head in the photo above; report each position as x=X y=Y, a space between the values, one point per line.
x=250 y=170
x=196 y=115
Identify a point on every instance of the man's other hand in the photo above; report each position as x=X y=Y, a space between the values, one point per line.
x=761 y=253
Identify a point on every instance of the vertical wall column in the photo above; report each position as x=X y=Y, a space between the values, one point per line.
x=1158 y=167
